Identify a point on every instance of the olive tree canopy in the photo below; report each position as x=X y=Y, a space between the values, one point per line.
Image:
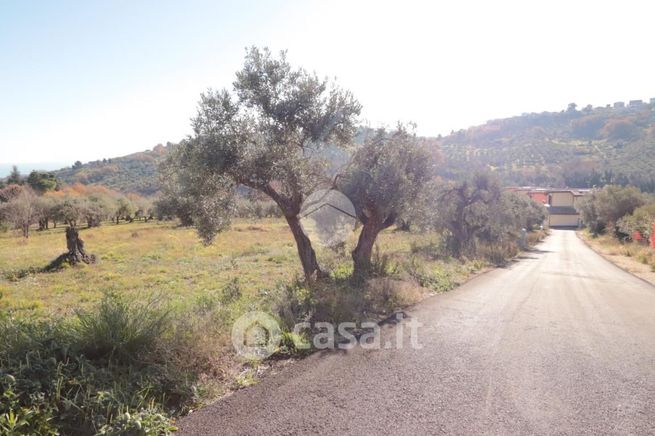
x=387 y=174
x=268 y=133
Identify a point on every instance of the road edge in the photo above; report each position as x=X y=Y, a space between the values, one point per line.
x=609 y=260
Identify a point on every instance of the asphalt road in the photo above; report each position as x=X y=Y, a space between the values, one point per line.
x=561 y=342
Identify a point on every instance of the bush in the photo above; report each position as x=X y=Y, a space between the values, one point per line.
x=604 y=208
x=641 y=220
x=382 y=265
x=499 y=253
x=436 y=279
x=121 y=330
x=101 y=372
x=145 y=422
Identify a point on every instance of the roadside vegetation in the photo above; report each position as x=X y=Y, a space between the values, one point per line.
x=620 y=221
x=122 y=345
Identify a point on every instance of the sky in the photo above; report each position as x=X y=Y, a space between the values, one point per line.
x=85 y=80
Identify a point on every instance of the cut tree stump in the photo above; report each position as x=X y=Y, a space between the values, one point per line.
x=76 y=253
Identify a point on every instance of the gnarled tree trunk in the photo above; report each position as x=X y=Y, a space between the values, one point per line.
x=75 y=253
x=75 y=245
x=364 y=250
x=373 y=225
x=306 y=252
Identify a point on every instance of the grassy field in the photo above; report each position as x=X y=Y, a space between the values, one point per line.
x=143 y=335
x=140 y=258
x=158 y=257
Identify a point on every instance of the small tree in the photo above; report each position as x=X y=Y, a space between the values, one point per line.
x=604 y=208
x=384 y=180
x=10 y=192
x=15 y=177
x=96 y=208
x=42 y=182
x=22 y=211
x=177 y=197
x=464 y=209
x=123 y=209
x=524 y=212
x=46 y=211
x=143 y=209
x=69 y=210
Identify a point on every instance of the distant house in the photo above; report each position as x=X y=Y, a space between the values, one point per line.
x=619 y=105
x=652 y=102
x=635 y=103
x=560 y=204
x=561 y=208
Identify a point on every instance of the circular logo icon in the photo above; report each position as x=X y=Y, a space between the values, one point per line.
x=256 y=335
x=328 y=217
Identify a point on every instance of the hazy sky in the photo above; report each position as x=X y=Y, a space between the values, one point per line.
x=92 y=79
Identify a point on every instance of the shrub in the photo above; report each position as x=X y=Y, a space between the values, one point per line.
x=101 y=372
x=499 y=253
x=382 y=265
x=641 y=220
x=119 y=329
x=606 y=207
x=435 y=278
x=145 y=422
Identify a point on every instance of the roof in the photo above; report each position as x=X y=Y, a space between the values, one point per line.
x=561 y=210
x=576 y=192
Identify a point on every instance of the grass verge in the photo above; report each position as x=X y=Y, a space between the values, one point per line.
x=126 y=345
x=634 y=257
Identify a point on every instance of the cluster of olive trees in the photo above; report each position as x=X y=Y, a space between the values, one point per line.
x=273 y=133
x=603 y=209
x=21 y=207
x=474 y=213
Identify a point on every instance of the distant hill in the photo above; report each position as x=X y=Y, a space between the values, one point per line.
x=576 y=148
x=26 y=168
x=135 y=172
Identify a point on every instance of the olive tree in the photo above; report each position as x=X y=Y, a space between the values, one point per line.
x=69 y=210
x=464 y=210
x=604 y=208
x=22 y=211
x=96 y=208
x=181 y=190
x=123 y=208
x=523 y=211
x=266 y=134
x=387 y=174
x=10 y=192
x=42 y=181
x=47 y=208
x=200 y=197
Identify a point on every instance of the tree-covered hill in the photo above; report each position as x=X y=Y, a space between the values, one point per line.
x=577 y=148
x=135 y=172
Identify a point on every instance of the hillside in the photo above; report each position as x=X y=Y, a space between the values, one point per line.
x=581 y=148
x=576 y=148
x=135 y=172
